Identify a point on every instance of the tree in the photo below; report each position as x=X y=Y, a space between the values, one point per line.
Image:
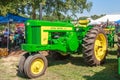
x=67 y=7
x=83 y=17
x=54 y=8
x=10 y=6
x=97 y=16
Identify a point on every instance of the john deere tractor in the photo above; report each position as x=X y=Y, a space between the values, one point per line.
x=110 y=32
x=118 y=51
x=61 y=39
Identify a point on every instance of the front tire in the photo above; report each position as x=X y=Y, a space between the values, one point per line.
x=35 y=65
x=95 y=47
x=22 y=62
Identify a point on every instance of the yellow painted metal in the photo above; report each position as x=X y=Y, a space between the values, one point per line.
x=44 y=36
x=83 y=23
x=37 y=66
x=3 y=52
x=44 y=33
x=100 y=47
x=108 y=30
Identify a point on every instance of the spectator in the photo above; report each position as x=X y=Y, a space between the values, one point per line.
x=19 y=30
x=0 y=40
x=6 y=32
x=117 y=28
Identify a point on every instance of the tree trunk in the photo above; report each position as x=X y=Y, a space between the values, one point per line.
x=33 y=12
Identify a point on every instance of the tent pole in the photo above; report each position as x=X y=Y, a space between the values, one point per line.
x=8 y=37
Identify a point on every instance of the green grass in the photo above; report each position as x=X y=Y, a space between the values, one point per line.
x=70 y=69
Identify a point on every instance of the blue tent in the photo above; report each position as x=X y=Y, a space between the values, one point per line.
x=118 y=21
x=16 y=18
x=1 y=17
x=13 y=18
x=3 y=20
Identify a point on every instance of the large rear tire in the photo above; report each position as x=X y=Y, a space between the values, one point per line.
x=35 y=65
x=95 y=47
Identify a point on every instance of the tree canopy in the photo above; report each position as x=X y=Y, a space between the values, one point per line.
x=97 y=16
x=58 y=9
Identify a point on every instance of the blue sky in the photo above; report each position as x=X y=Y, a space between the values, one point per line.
x=103 y=7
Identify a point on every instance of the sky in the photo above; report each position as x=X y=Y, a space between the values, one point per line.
x=103 y=7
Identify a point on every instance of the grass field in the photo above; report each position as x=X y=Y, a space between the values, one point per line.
x=73 y=68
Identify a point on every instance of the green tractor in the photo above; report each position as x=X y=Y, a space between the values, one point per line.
x=118 y=51
x=118 y=55
x=110 y=33
x=61 y=39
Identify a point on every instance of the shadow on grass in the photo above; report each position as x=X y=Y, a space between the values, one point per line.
x=75 y=60
x=21 y=75
x=109 y=73
x=112 y=52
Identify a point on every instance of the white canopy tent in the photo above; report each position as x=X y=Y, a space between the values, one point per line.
x=94 y=22
x=110 y=18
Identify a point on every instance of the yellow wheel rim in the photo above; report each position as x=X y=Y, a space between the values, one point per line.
x=37 y=66
x=100 y=47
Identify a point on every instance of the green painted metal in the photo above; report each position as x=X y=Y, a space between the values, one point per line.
x=72 y=41
x=62 y=36
x=35 y=38
x=111 y=41
x=110 y=35
x=47 y=23
x=119 y=65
